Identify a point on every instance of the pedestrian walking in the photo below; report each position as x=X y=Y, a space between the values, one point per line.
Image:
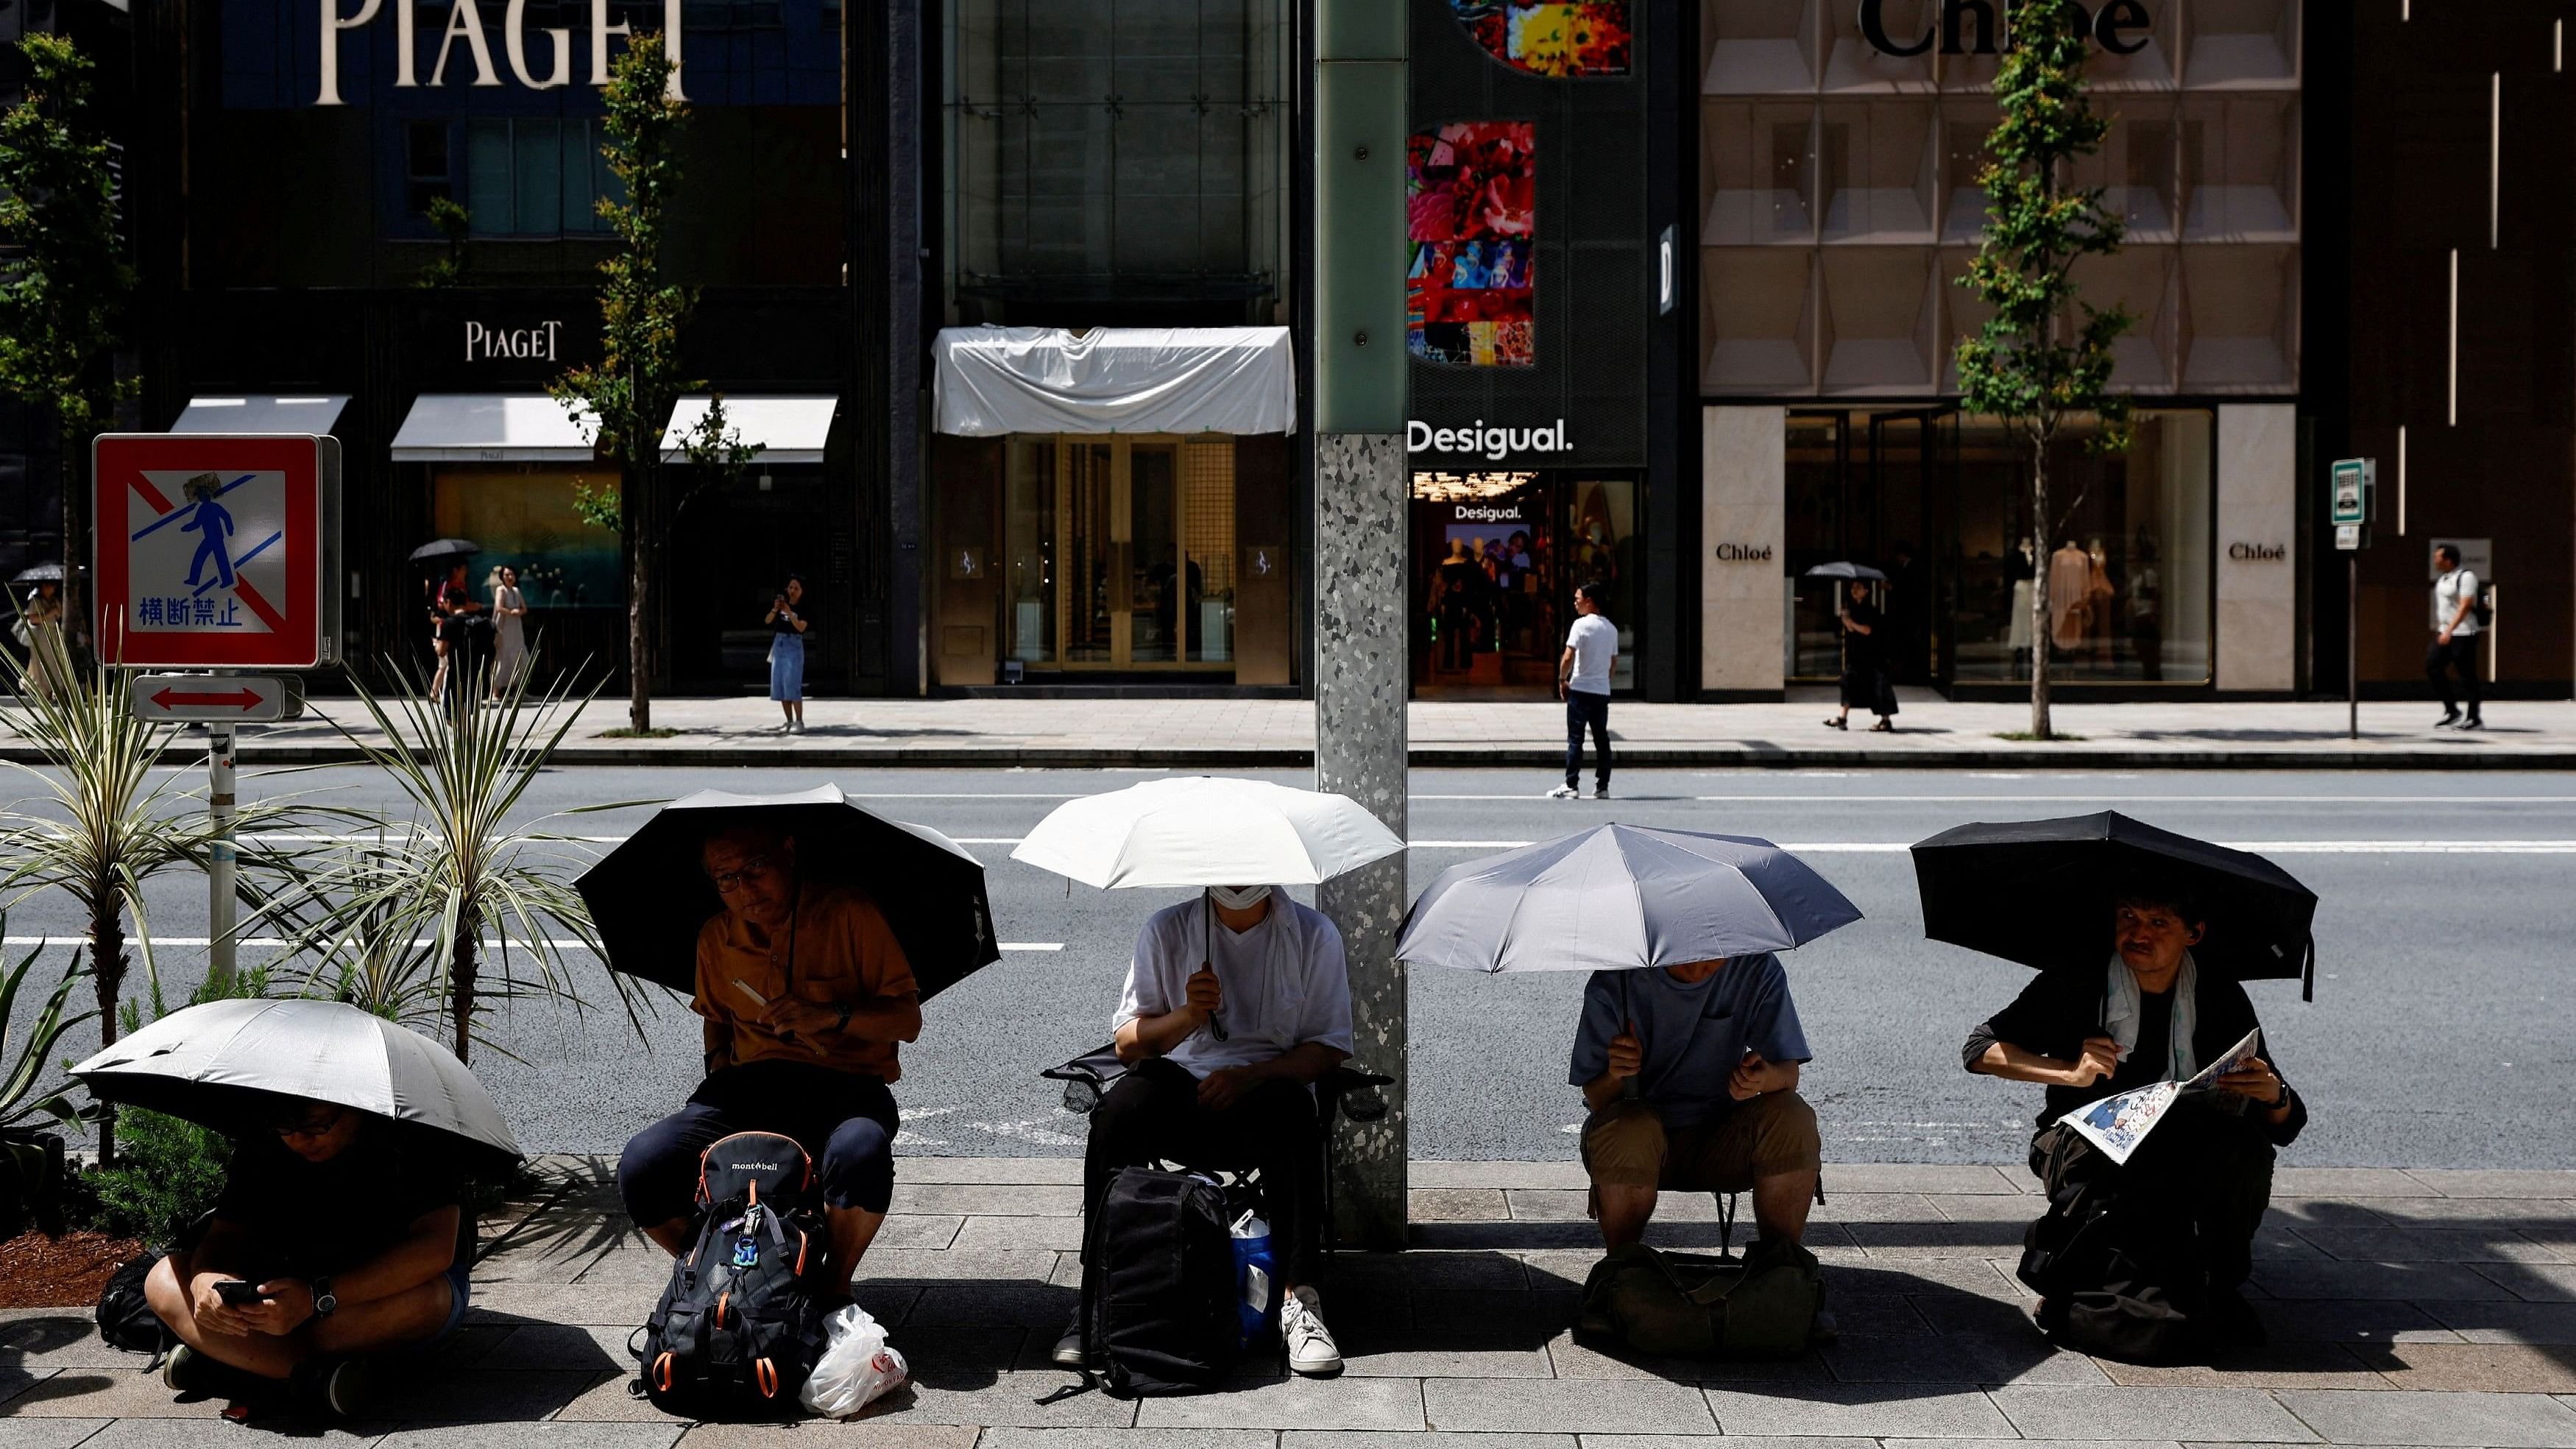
x=1583 y=682
x=452 y=610
x=2456 y=625
x=509 y=629
x=787 y=654
x=1865 y=682
x=39 y=631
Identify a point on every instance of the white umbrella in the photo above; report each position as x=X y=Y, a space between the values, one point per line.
x=1206 y=831
x=225 y=1062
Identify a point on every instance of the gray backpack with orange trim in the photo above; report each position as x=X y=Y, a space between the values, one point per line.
x=738 y=1328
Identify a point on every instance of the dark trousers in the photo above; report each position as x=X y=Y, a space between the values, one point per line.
x=1153 y=1114
x=2460 y=654
x=845 y=1122
x=1587 y=711
x=2202 y=1164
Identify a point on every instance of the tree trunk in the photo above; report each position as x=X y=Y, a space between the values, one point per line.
x=107 y=973
x=460 y=984
x=2042 y=637
x=639 y=662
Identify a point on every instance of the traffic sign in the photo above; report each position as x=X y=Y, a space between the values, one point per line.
x=2354 y=492
x=2348 y=536
x=212 y=698
x=217 y=551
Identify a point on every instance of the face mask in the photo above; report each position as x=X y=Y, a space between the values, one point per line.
x=1239 y=898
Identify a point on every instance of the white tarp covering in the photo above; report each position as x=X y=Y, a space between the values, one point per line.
x=784 y=429
x=481 y=427
x=313 y=413
x=997 y=380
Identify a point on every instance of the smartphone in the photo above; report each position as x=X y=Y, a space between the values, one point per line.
x=238 y=1294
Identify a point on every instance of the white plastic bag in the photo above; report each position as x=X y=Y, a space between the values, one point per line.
x=857 y=1365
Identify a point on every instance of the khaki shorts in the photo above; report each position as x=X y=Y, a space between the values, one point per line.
x=1627 y=1145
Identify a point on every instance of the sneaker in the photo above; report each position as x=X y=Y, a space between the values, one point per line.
x=796 y=727
x=2449 y=718
x=186 y=1371
x=1068 y=1349
x=348 y=1387
x=1562 y=792
x=2473 y=723
x=1600 y=792
x=1827 y=1331
x=1311 y=1350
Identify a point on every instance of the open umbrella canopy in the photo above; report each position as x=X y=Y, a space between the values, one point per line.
x=229 y=1064
x=445 y=548
x=1206 y=831
x=2041 y=892
x=1845 y=571
x=43 y=573
x=651 y=894
x=1618 y=897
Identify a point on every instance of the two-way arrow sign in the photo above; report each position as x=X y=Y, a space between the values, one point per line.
x=231 y=698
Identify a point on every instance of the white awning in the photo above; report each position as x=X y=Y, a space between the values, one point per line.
x=997 y=380
x=478 y=427
x=313 y=413
x=784 y=429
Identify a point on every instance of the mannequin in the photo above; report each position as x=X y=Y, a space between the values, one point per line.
x=2070 y=596
x=2021 y=567
x=2099 y=595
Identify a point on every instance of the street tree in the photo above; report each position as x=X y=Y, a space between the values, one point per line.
x=628 y=393
x=64 y=278
x=2032 y=364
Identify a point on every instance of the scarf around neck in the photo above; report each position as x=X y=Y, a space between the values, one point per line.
x=2121 y=1014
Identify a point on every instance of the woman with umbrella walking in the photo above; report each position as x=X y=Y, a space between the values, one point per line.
x=1865 y=684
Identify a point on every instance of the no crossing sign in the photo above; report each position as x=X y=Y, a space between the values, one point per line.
x=217 y=551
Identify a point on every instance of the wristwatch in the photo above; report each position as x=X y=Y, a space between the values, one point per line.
x=325 y=1302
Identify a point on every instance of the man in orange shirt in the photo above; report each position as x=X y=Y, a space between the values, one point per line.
x=806 y=993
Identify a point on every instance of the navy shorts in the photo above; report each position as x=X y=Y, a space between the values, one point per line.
x=846 y=1123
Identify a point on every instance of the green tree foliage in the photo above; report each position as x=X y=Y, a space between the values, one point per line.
x=2033 y=365
x=64 y=291
x=455 y=224
x=629 y=393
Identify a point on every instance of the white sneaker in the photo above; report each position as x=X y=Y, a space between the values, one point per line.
x=1311 y=1350
x=797 y=728
x=1562 y=792
x=1600 y=792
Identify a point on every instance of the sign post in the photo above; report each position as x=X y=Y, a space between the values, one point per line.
x=2352 y=497
x=217 y=553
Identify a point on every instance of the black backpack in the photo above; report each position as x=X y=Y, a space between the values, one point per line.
x=1158 y=1286
x=2120 y=1277
x=738 y=1329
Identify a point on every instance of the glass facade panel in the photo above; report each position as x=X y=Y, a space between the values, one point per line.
x=1208 y=547
x=1029 y=543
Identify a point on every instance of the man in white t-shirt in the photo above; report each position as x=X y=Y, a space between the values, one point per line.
x=2455 y=638
x=1236 y=1005
x=1583 y=682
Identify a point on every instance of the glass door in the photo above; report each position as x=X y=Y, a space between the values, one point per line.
x=1154 y=587
x=1093 y=587
x=1145 y=541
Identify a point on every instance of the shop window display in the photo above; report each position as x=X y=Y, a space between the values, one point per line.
x=1471 y=221
x=523 y=516
x=1554 y=38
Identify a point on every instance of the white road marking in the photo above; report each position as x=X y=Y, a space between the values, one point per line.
x=1026 y=1132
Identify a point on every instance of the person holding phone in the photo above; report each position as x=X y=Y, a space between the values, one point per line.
x=1690 y=1076
x=787 y=654
x=339 y=1236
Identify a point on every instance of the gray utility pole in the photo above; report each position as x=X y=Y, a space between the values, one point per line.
x=1362 y=659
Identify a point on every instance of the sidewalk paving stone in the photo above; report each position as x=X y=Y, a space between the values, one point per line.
x=2548 y=1323
x=1125 y=1439
x=1573 y=1360
x=1295 y=1403
x=985 y=1233
x=49 y=1433
x=2407 y=1281
x=2427 y=1245
x=1423 y=1439
x=2343 y=1320
x=858 y=1434
x=113 y=1393
x=2475 y=1182
x=1007 y=1400
x=2350 y=1182
x=1914 y=1411
x=1856 y=1177
x=1980 y=1359
x=996 y=1199
x=1585 y=1406
x=2504 y=1368
x=1558 y=1175
x=210 y=1433
x=2286 y=1365
x=534 y=1436
x=919 y=1230
x=1049 y=1171
x=1457 y=1205
x=2492 y=1421
x=2534 y=1282
x=2237 y=1416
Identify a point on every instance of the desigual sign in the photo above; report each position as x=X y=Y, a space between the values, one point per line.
x=2109 y=27
x=465 y=40
x=2259 y=552
x=1485 y=513
x=1493 y=444
x=1743 y=553
x=490 y=344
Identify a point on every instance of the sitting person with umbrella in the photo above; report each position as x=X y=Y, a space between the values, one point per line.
x=339 y=1234
x=1690 y=1075
x=1236 y=1004
x=806 y=994
x=2205 y=1169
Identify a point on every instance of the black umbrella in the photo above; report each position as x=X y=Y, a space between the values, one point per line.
x=445 y=548
x=43 y=573
x=651 y=894
x=2040 y=892
x=1845 y=571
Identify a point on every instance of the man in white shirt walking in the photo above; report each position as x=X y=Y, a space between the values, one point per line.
x=1236 y=1005
x=2455 y=638
x=1583 y=682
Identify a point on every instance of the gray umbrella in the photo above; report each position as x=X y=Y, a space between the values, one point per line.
x=1618 y=897
x=43 y=573
x=227 y=1064
x=1845 y=571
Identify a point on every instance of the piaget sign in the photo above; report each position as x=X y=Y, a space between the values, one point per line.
x=464 y=40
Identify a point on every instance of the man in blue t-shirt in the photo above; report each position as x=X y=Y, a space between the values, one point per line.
x=1690 y=1073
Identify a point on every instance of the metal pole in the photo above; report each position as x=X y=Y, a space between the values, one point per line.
x=219 y=857
x=2352 y=644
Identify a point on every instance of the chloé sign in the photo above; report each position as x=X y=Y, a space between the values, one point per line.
x=2108 y=26
x=465 y=30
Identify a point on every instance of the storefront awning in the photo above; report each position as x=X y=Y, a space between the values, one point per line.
x=473 y=427
x=997 y=380
x=784 y=429
x=314 y=413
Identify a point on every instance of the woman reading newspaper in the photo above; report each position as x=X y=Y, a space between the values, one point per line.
x=2157 y=1139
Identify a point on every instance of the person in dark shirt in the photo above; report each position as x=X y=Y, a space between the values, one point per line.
x=351 y=1233
x=2086 y=1035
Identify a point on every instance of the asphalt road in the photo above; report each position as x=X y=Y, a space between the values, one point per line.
x=2442 y=1036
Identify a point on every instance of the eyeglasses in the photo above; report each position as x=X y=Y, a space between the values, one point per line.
x=727 y=882
x=308 y=1127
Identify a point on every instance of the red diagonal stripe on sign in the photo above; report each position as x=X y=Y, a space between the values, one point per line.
x=268 y=615
x=160 y=503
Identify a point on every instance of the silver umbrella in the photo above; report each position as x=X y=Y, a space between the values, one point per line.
x=226 y=1064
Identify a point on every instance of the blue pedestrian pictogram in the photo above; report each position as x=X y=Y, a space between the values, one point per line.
x=213 y=525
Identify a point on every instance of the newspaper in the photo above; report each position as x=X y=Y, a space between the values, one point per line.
x=2118 y=1124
